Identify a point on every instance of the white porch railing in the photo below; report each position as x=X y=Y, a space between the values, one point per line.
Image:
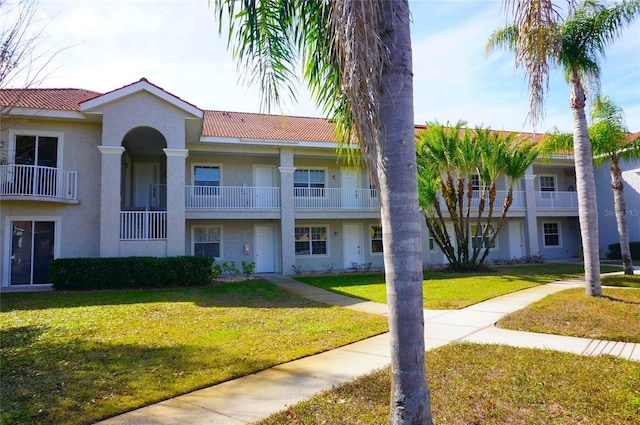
x=232 y=197
x=339 y=199
x=518 y=200
x=143 y=225
x=557 y=200
x=33 y=180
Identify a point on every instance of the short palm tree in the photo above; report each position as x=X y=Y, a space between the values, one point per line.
x=538 y=36
x=610 y=141
x=356 y=58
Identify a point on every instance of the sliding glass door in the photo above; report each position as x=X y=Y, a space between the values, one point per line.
x=32 y=249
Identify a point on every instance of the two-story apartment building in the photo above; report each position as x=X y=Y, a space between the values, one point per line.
x=139 y=171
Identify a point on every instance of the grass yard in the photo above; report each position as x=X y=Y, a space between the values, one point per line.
x=492 y=384
x=626 y=281
x=614 y=317
x=74 y=358
x=449 y=291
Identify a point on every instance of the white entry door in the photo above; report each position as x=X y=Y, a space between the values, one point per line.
x=145 y=174
x=515 y=239
x=264 y=183
x=265 y=252
x=349 y=188
x=352 y=244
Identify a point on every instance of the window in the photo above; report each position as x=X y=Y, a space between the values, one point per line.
x=309 y=183
x=206 y=175
x=311 y=240
x=548 y=184
x=476 y=237
x=376 y=239
x=475 y=185
x=206 y=241
x=36 y=150
x=551 y=234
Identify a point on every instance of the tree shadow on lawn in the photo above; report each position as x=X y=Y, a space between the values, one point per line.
x=81 y=381
x=249 y=294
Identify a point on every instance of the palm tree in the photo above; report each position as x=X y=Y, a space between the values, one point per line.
x=610 y=141
x=449 y=158
x=356 y=59
x=538 y=36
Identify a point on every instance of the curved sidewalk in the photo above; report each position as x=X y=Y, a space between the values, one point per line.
x=256 y=396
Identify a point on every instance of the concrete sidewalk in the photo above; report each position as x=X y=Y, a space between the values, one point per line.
x=256 y=396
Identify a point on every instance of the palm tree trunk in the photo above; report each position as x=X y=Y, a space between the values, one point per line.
x=585 y=182
x=621 y=217
x=395 y=156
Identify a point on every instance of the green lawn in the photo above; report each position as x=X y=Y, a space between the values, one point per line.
x=74 y=358
x=448 y=291
x=491 y=385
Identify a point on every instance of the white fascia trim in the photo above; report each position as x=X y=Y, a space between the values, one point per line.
x=138 y=87
x=44 y=113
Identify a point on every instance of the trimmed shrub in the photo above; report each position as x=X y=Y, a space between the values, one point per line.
x=615 y=253
x=129 y=272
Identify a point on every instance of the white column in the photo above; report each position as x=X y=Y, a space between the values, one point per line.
x=176 y=223
x=110 y=200
x=287 y=211
x=531 y=220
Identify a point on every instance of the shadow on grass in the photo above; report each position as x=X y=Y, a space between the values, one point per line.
x=82 y=381
x=250 y=294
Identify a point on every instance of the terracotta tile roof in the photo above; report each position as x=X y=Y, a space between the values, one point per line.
x=269 y=127
x=54 y=99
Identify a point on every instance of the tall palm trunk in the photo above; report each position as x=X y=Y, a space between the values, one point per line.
x=585 y=182
x=395 y=163
x=621 y=217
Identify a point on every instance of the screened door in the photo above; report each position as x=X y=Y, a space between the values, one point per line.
x=32 y=247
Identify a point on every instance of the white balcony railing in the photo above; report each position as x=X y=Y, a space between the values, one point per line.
x=143 y=225
x=232 y=197
x=517 y=203
x=33 y=180
x=338 y=199
x=557 y=200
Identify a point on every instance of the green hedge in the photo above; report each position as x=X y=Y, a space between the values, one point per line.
x=615 y=254
x=129 y=272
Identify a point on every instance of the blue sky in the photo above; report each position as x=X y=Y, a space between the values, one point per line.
x=107 y=44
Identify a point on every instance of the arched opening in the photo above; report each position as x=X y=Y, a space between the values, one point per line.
x=144 y=171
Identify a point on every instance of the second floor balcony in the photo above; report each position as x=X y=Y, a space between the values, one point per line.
x=556 y=200
x=38 y=183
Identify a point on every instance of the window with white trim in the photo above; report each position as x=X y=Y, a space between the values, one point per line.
x=548 y=184
x=311 y=240
x=36 y=150
x=376 y=239
x=207 y=241
x=476 y=236
x=309 y=182
x=206 y=175
x=551 y=234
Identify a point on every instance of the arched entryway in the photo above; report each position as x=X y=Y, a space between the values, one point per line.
x=144 y=171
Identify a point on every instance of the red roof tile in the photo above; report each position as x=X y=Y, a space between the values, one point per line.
x=266 y=127
x=55 y=99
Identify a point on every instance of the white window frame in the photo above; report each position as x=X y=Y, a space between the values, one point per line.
x=489 y=236
x=544 y=240
x=198 y=164
x=475 y=188
x=37 y=133
x=371 y=239
x=546 y=193
x=324 y=188
x=326 y=240
x=207 y=226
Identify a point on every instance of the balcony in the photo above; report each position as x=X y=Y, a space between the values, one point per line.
x=232 y=197
x=555 y=201
x=36 y=182
x=336 y=199
x=517 y=203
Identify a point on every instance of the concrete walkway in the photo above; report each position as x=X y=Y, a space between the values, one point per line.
x=256 y=396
